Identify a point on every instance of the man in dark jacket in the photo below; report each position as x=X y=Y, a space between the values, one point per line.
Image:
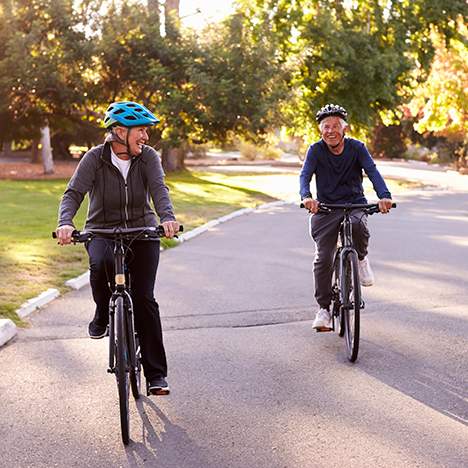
x=120 y=176
x=337 y=163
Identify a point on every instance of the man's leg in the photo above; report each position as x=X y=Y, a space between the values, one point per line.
x=360 y=232
x=361 y=241
x=324 y=230
x=143 y=260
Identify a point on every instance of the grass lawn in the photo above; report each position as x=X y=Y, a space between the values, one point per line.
x=32 y=262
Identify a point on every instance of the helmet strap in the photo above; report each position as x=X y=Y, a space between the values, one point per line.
x=115 y=138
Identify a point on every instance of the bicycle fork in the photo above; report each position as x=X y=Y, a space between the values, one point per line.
x=128 y=319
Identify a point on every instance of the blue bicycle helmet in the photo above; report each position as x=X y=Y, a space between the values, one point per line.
x=128 y=114
x=331 y=110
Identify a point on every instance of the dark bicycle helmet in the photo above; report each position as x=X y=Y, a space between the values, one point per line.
x=331 y=110
x=128 y=114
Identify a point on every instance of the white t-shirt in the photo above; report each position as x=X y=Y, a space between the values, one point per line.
x=123 y=165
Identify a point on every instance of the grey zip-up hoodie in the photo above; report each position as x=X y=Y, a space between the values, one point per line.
x=114 y=202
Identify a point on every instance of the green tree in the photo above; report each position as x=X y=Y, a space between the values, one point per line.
x=439 y=105
x=359 y=54
x=238 y=83
x=43 y=66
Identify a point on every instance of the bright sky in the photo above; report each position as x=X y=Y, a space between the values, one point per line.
x=210 y=11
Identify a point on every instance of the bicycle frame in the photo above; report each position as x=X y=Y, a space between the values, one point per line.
x=346 y=237
x=122 y=282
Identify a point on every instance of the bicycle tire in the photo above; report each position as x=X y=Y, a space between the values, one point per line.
x=121 y=369
x=338 y=322
x=135 y=372
x=351 y=308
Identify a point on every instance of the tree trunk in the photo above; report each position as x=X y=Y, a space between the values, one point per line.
x=155 y=15
x=6 y=149
x=171 y=17
x=35 y=155
x=173 y=159
x=46 y=151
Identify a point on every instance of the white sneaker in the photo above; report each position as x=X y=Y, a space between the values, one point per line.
x=322 y=320
x=365 y=272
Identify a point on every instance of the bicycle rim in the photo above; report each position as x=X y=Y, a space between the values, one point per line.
x=135 y=373
x=338 y=324
x=121 y=369
x=352 y=305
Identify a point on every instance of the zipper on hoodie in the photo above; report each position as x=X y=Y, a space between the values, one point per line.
x=126 y=187
x=126 y=203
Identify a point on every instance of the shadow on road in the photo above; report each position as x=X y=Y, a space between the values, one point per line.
x=164 y=443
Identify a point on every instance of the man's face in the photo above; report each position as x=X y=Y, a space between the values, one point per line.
x=332 y=130
x=137 y=137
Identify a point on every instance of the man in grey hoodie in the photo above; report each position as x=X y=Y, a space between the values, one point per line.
x=120 y=176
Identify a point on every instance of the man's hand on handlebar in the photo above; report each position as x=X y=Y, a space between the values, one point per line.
x=64 y=234
x=311 y=204
x=171 y=228
x=385 y=205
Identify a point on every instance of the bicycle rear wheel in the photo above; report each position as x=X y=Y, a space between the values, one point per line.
x=351 y=308
x=121 y=368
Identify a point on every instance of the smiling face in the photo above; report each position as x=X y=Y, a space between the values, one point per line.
x=135 y=136
x=333 y=130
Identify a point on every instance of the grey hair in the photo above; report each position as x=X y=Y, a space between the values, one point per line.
x=344 y=124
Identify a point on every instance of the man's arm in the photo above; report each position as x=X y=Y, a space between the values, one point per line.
x=378 y=182
x=307 y=171
x=368 y=164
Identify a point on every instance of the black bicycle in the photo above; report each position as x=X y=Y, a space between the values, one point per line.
x=124 y=346
x=347 y=299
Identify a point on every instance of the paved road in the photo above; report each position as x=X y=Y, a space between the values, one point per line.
x=253 y=385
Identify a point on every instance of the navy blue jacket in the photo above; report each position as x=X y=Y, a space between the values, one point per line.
x=339 y=177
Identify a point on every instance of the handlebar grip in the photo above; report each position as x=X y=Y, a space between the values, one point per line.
x=54 y=235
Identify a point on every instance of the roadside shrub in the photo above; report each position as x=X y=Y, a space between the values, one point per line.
x=251 y=152
x=388 y=142
x=248 y=150
x=197 y=151
x=420 y=153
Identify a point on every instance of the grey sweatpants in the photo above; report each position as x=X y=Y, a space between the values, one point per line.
x=324 y=230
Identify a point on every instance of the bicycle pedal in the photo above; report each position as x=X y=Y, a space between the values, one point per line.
x=323 y=329
x=363 y=304
x=110 y=371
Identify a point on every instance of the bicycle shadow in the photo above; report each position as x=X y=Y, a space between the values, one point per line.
x=426 y=383
x=163 y=442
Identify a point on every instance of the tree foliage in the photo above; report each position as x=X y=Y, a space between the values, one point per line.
x=359 y=53
x=42 y=67
x=272 y=63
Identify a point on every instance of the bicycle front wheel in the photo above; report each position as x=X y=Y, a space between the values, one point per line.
x=135 y=372
x=351 y=307
x=122 y=367
x=338 y=323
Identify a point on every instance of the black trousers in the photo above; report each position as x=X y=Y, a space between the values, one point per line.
x=142 y=259
x=324 y=230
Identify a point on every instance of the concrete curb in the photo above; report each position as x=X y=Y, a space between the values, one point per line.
x=32 y=304
x=79 y=281
x=8 y=329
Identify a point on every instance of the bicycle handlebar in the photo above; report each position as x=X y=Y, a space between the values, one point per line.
x=149 y=232
x=369 y=208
